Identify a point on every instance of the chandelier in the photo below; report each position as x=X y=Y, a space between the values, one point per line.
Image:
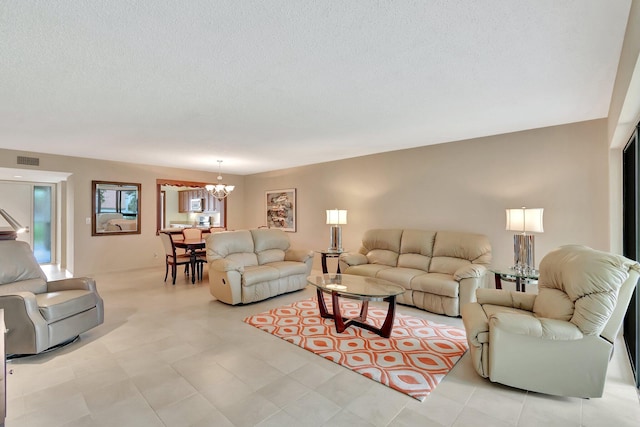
x=219 y=190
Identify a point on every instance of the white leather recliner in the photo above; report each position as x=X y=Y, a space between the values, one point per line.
x=38 y=314
x=559 y=341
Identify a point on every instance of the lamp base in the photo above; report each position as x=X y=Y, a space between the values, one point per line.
x=524 y=253
x=336 y=239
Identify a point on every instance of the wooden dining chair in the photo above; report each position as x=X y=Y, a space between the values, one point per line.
x=201 y=255
x=173 y=259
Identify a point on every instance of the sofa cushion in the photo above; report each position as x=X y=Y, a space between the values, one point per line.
x=447 y=265
x=259 y=273
x=388 y=239
x=417 y=242
x=56 y=306
x=436 y=283
x=369 y=270
x=591 y=279
x=244 y=259
x=473 y=247
x=223 y=244
x=289 y=268
x=269 y=238
x=399 y=276
x=270 y=255
x=416 y=261
x=383 y=256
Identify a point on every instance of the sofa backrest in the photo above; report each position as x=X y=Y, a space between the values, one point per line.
x=453 y=250
x=270 y=244
x=432 y=251
x=586 y=287
x=19 y=269
x=416 y=249
x=235 y=246
x=382 y=246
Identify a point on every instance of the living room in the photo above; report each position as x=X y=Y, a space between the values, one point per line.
x=571 y=170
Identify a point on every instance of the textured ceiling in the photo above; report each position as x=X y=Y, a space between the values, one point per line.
x=265 y=85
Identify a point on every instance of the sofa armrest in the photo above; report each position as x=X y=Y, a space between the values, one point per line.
x=470 y=271
x=547 y=329
x=299 y=255
x=353 y=258
x=504 y=298
x=74 y=283
x=226 y=265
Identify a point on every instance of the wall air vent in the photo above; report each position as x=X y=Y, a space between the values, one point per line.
x=31 y=161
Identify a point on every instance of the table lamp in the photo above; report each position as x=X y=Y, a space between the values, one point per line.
x=15 y=225
x=336 y=217
x=524 y=221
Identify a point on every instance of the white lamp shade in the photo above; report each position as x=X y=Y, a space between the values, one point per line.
x=525 y=220
x=336 y=216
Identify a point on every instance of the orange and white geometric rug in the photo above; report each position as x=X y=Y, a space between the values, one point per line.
x=413 y=360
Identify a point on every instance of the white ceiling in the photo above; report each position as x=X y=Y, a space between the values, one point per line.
x=265 y=85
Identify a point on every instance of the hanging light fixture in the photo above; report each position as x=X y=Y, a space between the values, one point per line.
x=219 y=190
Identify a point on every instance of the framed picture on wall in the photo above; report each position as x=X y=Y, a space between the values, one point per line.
x=281 y=209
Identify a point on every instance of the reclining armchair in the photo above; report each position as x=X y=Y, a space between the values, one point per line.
x=39 y=315
x=559 y=341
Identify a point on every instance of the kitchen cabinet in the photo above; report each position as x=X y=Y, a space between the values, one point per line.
x=209 y=202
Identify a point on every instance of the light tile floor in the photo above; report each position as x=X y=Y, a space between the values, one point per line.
x=173 y=356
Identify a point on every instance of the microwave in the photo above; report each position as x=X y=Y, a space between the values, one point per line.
x=195 y=205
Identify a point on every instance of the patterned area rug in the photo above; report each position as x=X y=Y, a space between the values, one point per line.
x=413 y=360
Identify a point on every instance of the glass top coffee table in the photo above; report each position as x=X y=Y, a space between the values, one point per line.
x=359 y=288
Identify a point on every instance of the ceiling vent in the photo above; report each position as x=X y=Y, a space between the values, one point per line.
x=31 y=161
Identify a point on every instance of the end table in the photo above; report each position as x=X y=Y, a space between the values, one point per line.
x=329 y=254
x=521 y=278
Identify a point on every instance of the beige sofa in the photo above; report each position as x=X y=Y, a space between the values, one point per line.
x=39 y=314
x=440 y=270
x=559 y=341
x=251 y=265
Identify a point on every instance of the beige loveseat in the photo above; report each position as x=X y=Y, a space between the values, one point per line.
x=251 y=265
x=39 y=314
x=440 y=270
x=559 y=341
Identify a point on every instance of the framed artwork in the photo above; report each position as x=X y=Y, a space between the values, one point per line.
x=281 y=209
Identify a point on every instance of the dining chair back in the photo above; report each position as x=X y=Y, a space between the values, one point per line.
x=172 y=258
x=192 y=233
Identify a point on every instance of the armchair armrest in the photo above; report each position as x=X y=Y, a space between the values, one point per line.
x=547 y=329
x=222 y=264
x=476 y=324
x=300 y=255
x=74 y=283
x=470 y=271
x=352 y=258
x=519 y=300
x=26 y=328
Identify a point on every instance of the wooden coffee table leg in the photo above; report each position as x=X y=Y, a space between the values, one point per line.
x=385 y=331
x=364 y=309
x=337 y=316
x=322 y=306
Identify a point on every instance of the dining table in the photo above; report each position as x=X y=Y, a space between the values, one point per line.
x=192 y=246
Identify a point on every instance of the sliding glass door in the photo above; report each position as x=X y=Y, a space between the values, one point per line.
x=631 y=243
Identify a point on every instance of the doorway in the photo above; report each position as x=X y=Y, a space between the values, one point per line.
x=33 y=206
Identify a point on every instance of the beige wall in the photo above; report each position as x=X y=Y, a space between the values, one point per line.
x=463 y=185
x=84 y=254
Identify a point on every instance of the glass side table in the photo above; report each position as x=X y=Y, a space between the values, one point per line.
x=521 y=278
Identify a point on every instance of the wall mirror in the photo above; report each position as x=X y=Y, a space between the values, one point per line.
x=115 y=208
